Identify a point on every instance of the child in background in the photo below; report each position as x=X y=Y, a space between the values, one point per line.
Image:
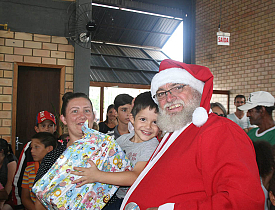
x=41 y=144
x=265 y=162
x=45 y=122
x=138 y=146
x=8 y=163
x=123 y=106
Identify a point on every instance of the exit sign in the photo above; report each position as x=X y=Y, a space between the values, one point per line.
x=223 y=38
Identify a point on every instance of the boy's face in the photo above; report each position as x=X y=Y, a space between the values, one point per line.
x=123 y=113
x=39 y=150
x=45 y=126
x=145 y=125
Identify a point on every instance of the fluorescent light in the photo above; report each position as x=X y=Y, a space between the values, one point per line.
x=107 y=6
x=136 y=11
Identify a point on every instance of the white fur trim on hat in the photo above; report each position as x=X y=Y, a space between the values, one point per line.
x=175 y=75
x=199 y=116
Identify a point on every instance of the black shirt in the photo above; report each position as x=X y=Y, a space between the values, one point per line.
x=49 y=160
x=103 y=128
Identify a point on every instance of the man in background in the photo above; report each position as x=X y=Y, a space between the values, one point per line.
x=259 y=107
x=239 y=116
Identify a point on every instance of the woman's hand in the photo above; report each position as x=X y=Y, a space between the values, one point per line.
x=89 y=175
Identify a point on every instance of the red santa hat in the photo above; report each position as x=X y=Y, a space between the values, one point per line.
x=198 y=77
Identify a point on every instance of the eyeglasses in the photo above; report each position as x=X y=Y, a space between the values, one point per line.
x=173 y=91
x=221 y=115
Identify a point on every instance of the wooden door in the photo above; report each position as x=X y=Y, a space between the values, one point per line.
x=38 y=88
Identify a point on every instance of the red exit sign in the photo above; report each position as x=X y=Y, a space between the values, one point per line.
x=223 y=38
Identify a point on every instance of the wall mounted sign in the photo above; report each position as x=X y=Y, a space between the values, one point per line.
x=223 y=38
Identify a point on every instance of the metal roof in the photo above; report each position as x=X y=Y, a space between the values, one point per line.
x=124 y=27
x=112 y=61
x=122 y=64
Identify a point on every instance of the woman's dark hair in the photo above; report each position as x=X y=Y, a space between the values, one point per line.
x=70 y=95
x=5 y=146
x=264 y=157
x=111 y=106
x=142 y=101
x=46 y=138
x=122 y=99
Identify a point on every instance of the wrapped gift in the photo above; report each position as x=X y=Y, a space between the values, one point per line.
x=55 y=189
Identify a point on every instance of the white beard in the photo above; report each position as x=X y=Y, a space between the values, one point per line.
x=170 y=123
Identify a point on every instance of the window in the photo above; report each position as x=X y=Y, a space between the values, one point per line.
x=109 y=95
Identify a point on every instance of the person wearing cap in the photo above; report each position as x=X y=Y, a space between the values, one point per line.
x=45 y=122
x=204 y=161
x=239 y=116
x=259 y=107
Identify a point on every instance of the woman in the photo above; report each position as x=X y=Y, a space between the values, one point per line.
x=111 y=120
x=76 y=109
x=218 y=109
x=8 y=163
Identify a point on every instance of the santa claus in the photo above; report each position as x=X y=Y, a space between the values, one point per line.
x=204 y=161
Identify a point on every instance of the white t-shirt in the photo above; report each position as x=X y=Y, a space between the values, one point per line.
x=243 y=122
x=135 y=152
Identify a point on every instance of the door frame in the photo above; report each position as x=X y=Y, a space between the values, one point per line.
x=14 y=91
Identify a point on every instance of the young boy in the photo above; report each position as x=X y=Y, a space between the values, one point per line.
x=41 y=144
x=138 y=146
x=123 y=106
x=45 y=122
x=265 y=162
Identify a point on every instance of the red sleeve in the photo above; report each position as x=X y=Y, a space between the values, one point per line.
x=229 y=169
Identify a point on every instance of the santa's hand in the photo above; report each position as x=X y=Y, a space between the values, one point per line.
x=89 y=175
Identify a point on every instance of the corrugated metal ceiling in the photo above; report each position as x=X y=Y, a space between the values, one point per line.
x=121 y=64
x=124 y=27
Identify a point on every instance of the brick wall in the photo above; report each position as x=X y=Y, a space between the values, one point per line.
x=30 y=48
x=248 y=64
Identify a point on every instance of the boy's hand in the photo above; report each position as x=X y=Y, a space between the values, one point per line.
x=89 y=175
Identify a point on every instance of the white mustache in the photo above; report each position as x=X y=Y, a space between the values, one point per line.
x=178 y=101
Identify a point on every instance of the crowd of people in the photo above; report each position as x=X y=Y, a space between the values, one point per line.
x=185 y=152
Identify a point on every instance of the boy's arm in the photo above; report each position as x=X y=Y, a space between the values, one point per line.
x=26 y=199
x=39 y=205
x=92 y=174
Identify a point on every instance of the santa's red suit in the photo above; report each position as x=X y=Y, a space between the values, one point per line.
x=213 y=169
x=209 y=164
